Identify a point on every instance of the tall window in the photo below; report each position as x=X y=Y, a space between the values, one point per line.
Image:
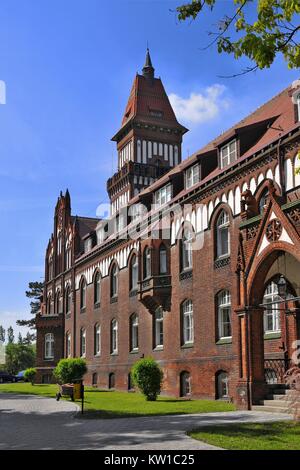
x=97 y=340
x=271 y=313
x=68 y=300
x=68 y=255
x=58 y=302
x=228 y=153
x=222 y=385
x=186 y=249
x=224 y=314
x=97 y=288
x=134 y=332
x=163 y=195
x=134 y=273
x=83 y=294
x=114 y=337
x=192 y=176
x=159 y=328
x=187 y=322
x=114 y=281
x=223 y=247
x=49 y=305
x=49 y=346
x=82 y=342
x=163 y=265
x=50 y=268
x=68 y=344
x=147 y=263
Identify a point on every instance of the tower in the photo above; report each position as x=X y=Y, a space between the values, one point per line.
x=149 y=140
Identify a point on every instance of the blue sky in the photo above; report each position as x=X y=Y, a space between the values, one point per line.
x=68 y=67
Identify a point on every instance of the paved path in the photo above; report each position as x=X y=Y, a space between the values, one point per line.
x=32 y=422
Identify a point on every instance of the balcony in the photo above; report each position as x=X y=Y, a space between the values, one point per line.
x=155 y=292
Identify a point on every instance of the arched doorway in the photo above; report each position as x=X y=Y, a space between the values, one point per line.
x=273 y=321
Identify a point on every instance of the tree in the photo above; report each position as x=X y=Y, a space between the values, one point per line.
x=29 y=338
x=35 y=292
x=20 y=339
x=10 y=335
x=30 y=374
x=147 y=376
x=2 y=334
x=260 y=39
x=19 y=357
x=70 y=370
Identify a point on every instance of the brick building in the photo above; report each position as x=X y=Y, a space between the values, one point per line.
x=191 y=251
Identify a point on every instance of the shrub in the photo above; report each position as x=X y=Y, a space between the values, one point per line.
x=29 y=375
x=70 y=370
x=147 y=376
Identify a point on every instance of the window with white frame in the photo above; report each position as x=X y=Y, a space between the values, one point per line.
x=272 y=312
x=68 y=300
x=228 y=153
x=134 y=332
x=114 y=281
x=114 y=337
x=224 y=314
x=163 y=195
x=97 y=288
x=97 y=340
x=49 y=346
x=134 y=273
x=68 y=344
x=82 y=342
x=163 y=264
x=223 y=237
x=159 y=328
x=186 y=249
x=83 y=294
x=192 y=176
x=147 y=263
x=187 y=322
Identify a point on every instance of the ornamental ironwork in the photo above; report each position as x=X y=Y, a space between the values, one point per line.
x=274 y=230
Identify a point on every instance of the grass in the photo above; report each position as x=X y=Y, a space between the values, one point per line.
x=252 y=436
x=113 y=404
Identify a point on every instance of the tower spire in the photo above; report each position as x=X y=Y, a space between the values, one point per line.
x=148 y=69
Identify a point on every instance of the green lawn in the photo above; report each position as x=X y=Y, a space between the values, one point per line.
x=253 y=436
x=106 y=404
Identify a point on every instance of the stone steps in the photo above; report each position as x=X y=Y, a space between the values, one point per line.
x=269 y=409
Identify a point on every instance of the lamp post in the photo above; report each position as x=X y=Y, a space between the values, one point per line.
x=282 y=287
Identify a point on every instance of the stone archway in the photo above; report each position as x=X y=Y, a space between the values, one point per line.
x=266 y=353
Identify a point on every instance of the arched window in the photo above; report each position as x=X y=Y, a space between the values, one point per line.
x=223 y=246
x=97 y=340
x=186 y=249
x=222 y=385
x=68 y=300
x=50 y=268
x=49 y=305
x=187 y=322
x=272 y=312
x=97 y=288
x=185 y=384
x=114 y=337
x=111 y=380
x=114 y=281
x=68 y=344
x=58 y=302
x=163 y=261
x=49 y=346
x=134 y=273
x=224 y=314
x=159 y=328
x=263 y=200
x=68 y=255
x=147 y=262
x=82 y=342
x=83 y=294
x=134 y=332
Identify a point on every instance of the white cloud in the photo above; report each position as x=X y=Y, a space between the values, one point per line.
x=200 y=107
x=8 y=319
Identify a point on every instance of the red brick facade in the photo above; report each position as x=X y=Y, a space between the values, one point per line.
x=221 y=357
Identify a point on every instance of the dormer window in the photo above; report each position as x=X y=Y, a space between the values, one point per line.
x=163 y=195
x=228 y=154
x=192 y=176
x=156 y=113
x=87 y=245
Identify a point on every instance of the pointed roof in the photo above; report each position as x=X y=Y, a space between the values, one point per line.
x=148 y=103
x=148 y=69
